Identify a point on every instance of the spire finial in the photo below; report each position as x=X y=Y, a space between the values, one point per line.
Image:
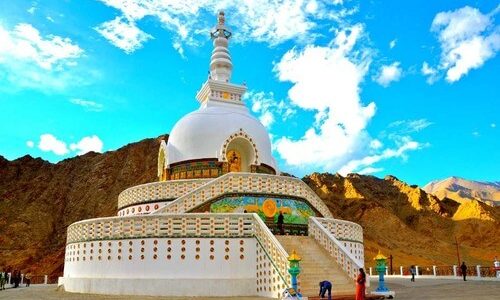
x=220 y=63
x=220 y=18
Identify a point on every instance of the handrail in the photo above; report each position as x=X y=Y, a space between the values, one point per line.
x=249 y=182
x=160 y=190
x=164 y=225
x=275 y=251
x=343 y=257
x=353 y=232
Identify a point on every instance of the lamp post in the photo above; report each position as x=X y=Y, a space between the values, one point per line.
x=294 y=269
x=380 y=267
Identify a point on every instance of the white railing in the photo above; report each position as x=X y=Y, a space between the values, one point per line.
x=164 y=225
x=273 y=248
x=343 y=230
x=156 y=191
x=339 y=252
x=246 y=183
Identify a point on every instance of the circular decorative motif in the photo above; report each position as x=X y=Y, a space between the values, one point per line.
x=269 y=207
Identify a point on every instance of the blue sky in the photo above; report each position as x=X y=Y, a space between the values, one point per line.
x=376 y=87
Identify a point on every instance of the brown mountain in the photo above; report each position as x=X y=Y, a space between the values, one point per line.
x=38 y=200
x=464 y=191
x=405 y=221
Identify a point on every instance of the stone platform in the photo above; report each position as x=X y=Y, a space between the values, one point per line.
x=429 y=289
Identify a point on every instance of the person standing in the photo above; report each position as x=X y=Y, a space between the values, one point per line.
x=360 y=285
x=323 y=287
x=3 y=278
x=413 y=271
x=463 y=268
x=281 y=220
x=27 y=277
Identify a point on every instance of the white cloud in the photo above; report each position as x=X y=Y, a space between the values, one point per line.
x=87 y=144
x=467 y=38
x=273 y=22
x=268 y=108
x=376 y=144
x=476 y=133
x=410 y=126
x=31 y=10
x=370 y=170
x=30 y=144
x=365 y=163
x=493 y=125
x=326 y=80
x=28 y=59
x=124 y=34
x=49 y=143
x=431 y=73
x=392 y=43
x=26 y=43
x=388 y=74
x=88 y=104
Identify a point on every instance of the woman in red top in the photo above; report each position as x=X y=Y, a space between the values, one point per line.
x=360 y=285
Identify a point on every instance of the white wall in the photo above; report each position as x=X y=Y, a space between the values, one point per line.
x=162 y=266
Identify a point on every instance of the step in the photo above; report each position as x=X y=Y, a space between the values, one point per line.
x=317 y=265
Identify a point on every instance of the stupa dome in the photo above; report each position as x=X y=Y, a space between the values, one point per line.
x=216 y=128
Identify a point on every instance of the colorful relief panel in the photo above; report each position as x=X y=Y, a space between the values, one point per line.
x=268 y=208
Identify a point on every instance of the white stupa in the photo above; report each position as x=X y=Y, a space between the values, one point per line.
x=206 y=228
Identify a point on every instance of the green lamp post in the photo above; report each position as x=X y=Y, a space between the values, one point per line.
x=381 y=260
x=294 y=269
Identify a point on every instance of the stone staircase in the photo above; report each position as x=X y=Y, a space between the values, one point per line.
x=316 y=265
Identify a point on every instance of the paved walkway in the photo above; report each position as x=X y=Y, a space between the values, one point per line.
x=428 y=289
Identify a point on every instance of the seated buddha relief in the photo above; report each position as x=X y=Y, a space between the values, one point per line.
x=234 y=160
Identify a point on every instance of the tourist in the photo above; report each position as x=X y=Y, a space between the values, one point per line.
x=360 y=285
x=323 y=287
x=281 y=220
x=27 y=278
x=463 y=268
x=3 y=278
x=14 y=279
x=413 y=271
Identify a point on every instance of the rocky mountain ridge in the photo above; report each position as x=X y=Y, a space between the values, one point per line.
x=38 y=200
x=463 y=190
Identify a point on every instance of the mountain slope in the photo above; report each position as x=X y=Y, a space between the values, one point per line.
x=38 y=200
x=405 y=221
x=462 y=190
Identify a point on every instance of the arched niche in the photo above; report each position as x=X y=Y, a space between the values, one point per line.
x=240 y=152
x=246 y=151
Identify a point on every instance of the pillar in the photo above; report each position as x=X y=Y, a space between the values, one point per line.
x=46 y=279
x=386 y=271
x=371 y=271
x=22 y=279
x=10 y=278
x=478 y=270
x=418 y=273
x=401 y=270
x=434 y=271
x=454 y=270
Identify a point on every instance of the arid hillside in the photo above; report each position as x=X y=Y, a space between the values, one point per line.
x=38 y=200
x=463 y=190
x=413 y=226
